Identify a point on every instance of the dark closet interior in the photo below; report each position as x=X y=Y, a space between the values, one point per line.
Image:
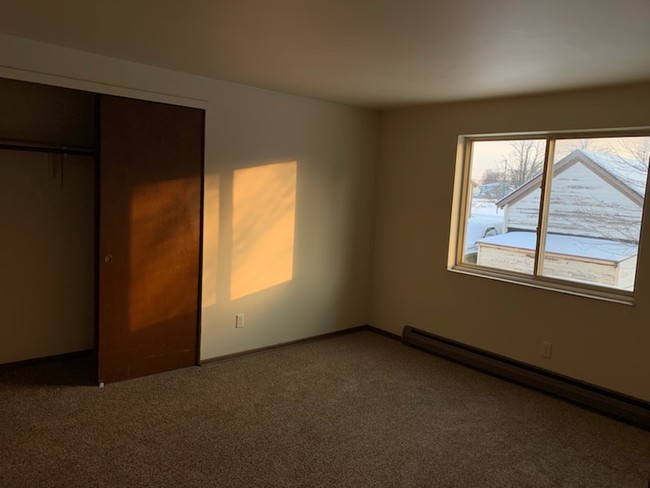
x=101 y=205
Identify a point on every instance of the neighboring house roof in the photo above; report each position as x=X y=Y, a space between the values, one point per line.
x=629 y=177
x=584 y=247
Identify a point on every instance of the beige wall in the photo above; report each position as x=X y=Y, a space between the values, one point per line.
x=46 y=250
x=595 y=341
x=334 y=149
x=314 y=279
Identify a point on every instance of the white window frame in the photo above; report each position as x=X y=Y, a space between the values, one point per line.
x=461 y=199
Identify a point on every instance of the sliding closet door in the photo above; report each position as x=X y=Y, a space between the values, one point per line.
x=150 y=206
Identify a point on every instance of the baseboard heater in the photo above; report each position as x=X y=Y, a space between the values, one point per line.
x=622 y=406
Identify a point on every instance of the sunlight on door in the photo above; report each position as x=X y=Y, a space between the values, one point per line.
x=159 y=227
x=264 y=208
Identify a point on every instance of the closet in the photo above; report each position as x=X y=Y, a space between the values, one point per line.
x=101 y=210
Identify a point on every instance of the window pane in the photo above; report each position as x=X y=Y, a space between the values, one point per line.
x=595 y=210
x=503 y=210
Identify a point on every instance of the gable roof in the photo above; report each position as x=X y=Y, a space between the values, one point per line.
x=626 y=176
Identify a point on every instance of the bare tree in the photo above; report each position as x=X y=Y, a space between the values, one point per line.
x=635 y=151
x=565 y=147
x=524 y=161
x=493 y=175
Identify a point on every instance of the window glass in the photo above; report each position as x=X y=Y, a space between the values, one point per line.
x=595 y=209
x=495 y=235
x=574 y=228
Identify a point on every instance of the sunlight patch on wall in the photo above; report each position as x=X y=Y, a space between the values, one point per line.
x=211 y=218
x=264 y=208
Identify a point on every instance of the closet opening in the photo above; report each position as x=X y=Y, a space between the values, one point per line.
x=47 y=212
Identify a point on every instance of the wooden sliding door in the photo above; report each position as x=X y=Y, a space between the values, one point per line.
x=150 y=215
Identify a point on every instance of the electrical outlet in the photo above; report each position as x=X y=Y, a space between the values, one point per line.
x=239 y=320
x=547 y=349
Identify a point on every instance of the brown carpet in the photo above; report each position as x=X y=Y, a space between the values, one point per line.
x=359 y=410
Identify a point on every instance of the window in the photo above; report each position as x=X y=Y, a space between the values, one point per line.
x=561 y=211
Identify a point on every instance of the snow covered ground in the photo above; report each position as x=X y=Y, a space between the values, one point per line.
x=485 y=219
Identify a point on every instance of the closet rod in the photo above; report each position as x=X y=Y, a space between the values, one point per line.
x=47 y=148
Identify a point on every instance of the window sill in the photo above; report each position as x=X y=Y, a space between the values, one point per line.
x=549 y=284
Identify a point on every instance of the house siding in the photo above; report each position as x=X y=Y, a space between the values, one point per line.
x=582 y=204
x=587 y=271
x=506 y=258
x=555 y=265
x=627 y=273
x=523 y=214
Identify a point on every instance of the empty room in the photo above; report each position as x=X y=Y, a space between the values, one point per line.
x=325 y=243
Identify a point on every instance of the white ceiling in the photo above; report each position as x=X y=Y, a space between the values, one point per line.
x=374 y=53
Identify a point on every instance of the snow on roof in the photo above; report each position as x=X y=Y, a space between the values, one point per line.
x=585 y=247
x=632 y=173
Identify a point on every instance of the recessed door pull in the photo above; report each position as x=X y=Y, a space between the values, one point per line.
x=108 y=258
